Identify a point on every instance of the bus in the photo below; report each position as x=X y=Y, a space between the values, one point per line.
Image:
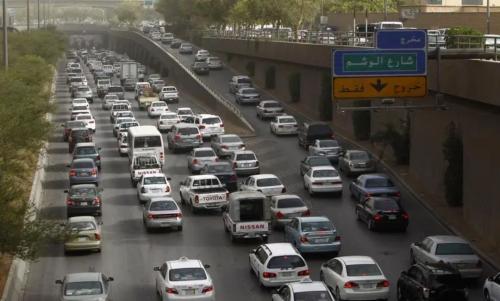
x=145 y=138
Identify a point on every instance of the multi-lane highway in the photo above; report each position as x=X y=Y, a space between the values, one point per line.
x=129 y=252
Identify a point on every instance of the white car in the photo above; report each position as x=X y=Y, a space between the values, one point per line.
x=306 y=289
x=323 y=179
x=123 y=144
x=268 y=184
x=118 y=121
x=169 y=94
x=284 y=125
x=355 y=278
x=77 y=102
x=209 y=125
x=491 y=288
x=184 y=112
x=157 y=108
x=167 y=120
x=108 y=101
x=153 y=186
x=276 y=264
x=201 y=55
x=184 y=279
x=88 y=119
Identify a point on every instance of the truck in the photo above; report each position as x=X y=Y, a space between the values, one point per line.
x=102 y=87
x=169 y=94
x=146 y=97
x=143 y=163
x=247 y=216
x=128 y=70
x=203 y=192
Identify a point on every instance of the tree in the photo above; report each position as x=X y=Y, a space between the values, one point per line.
x=128 y=12
x=348 y=6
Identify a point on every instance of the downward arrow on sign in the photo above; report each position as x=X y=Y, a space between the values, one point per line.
x=379 y=86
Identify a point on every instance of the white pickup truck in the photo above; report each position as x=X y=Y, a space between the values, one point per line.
x=143 y=163
x=203 y=192
x=169 y=94
x=247 y=216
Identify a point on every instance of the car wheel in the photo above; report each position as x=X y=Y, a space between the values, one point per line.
x=179 y=228
x=182 y=199
x=358 y=217
x=321 y=276
x=311 y=192
x=371 y=225
x=412 y=258
x=400 y=294
x=487 y=295
x=337 y=294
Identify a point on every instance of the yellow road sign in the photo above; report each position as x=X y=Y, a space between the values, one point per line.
x=379 y=87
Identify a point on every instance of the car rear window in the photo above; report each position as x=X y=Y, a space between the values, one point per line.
x=359 y=156
x=378 y=182
x=454 y=249
x=159 y=104
x=286 y=262
x=386 y=205
x=184 y=112
x=115 y=89
x=187 y=274
x=245 y=157
x=83 y=288
x=79 y=108
x=268 y=182
x=111 y=97
x=82 y=226
x=204 y=153
x=119 y=107
x=320 y=130
x=83 y=164
x=211 y=120
x=188 y=131
x=316 y=226
x=83 y=192
x=230 y=139
x=360 y=270
x=154 y=180
x=290 y=203
x=206 y=182
x=272 y=105
x=319 y=161
x=328 y=143
x=146 y=162
x=75 y=124
x=162 y=206
x=312 y=296
x=147 y=141
x=219 y=168
x=86 y=150
x=168 y=116
x=83 y=117
x=83 y=89
x=287 y=120
x=326 y=173
x=249 y=91
x=244 y=80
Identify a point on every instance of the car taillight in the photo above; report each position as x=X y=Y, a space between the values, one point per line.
x=405 y=215
x=196 y=199
x=479 y=264
x=195 y=161
x=143 y=190
x=283 y=190
x=72 y=173
x=167 y=189
x=307 y=213
x=150 y=216
x=303 y=239
x=397 y=194
x=256 y=163
x=201 y=126
x=268 y=275
x=337 y=238
x=94 y=171
x=377 y=217
x=223 y=146
x=384 y=283
x=242 y=146
x=222 y=125
x=350 y=284
x=207 y=289
x=161 y=156
x=70 y=202
x=96 y=201
x=279 y=215
x=97 y=236
x=177 y=137
x=178 y=214
x=171 y=290
x=303 y=273
x=367 y=195
x=98 y=157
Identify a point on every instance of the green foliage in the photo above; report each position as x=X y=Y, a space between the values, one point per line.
x=271 y=77
x=326 y=104
x=464 y=37
x=250 y=68
x=453 y=176
x=24 y=103
x=361 y=121
x=348 y=6
x=398 y=139
x=127 y=12
x=294 y=80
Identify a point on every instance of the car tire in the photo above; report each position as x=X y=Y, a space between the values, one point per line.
x=412 y=258
x=371 y=225
x=179 y=228
x=487 y=295
x=311 y=192
x=399 y=294
x=337 y=294
x=358 y=218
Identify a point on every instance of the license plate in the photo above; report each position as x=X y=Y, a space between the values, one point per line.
x=84 y=174
x=156 y=190
x=82 y=238
x=189 y=292
x=392 y=217
x=321 y=240
x=247 y=165
x=286 y=274
x=367 y=286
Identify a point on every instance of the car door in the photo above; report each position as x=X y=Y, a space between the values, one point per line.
x=495 y=288
x=161 y=279
x=333 y=273
x=291 y=231
x=412 y=283
x=184 y=189
x=303 y=165
x=308 y=178
x=363 y=210
x=140 y=184
x=419 y=250
x=355 y=188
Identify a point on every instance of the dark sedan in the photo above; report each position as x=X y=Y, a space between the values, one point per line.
x=224 y=172
x=88 y=150
x=312 y=161
x=373 y=185
x=382 y=213
x=78 y=135
x=69 y=125
x=83 y=171
x=83 y=199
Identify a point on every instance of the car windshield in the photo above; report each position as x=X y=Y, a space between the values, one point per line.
x=211 y=120
x=359 y=270
x=316 y=226
x=245 y=157
x=328 y=143
x=319 y=161
x=159 y=104
x=286 y=262
x=454 y=249
x=249 y=91
x=83 y=164
x=188 y=131
x=204 y=153
x=83 y=117
x=162 y=206
x=87 y=150
x=83 y=288
x=268 y=182
x=187 y=274
x=378 y=182
x=82 y=226
x=312 y=296
x=386 y=205
x=154 y=180
x=219 y=168
x=272 y=105
x=287 y=120
x=115 y=89
x=325 y=173
x=83 y=192
x=290 y=203
x=359 y=156
x=231 y=139
x=244 y=80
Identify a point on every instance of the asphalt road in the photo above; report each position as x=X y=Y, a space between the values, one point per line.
x=129 y=252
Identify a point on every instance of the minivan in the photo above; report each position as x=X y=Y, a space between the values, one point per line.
x=308 y=132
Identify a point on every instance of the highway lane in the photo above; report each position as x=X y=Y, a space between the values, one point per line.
x=129 y=253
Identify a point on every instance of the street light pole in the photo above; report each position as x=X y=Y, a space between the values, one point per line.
x=488 y=15
x=5 y=42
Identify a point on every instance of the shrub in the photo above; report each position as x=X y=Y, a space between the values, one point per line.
x=456 y=37
x=271 y=77
x=294 y=86
x=453 y=176
x=398 y=139
x=251 y=68
x=361 y=121
x=326 y=104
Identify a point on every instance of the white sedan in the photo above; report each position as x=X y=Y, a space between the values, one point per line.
x=355 y=278
x=166 y=121
x=88 y=119
x=268 y=184
x=153 y=186
x=491 y=288
x=80 y=102
x=184 y=279
x=284 y=125
x=323 y=179
x=157 y=108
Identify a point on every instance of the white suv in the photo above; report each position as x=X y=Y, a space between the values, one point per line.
x=276 y=264
x=184 y=279
x=209 y=125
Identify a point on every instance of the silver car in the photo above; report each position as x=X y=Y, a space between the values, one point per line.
x=224 y=145
x=166 y=121
x=199 y=157
x=161 y=213
x=326 y=147
x=84 y=92
x=184 y=136
x=214 y=63
x=247 y=95
x=449 y=249
x=356 y=162
x=118 y=121
x=244 y=162
x=108 y=101
x=284 y=207
x=84 y=287
x=269 y=109
x=186 y=48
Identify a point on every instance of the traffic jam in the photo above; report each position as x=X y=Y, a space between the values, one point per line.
x=226 y=179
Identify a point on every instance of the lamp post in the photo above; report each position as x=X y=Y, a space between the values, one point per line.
x=488 y=15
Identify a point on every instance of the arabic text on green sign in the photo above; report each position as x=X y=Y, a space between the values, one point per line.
x=380 y=62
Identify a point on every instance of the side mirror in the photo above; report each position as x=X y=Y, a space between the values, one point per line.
x=59 y=281
x=490 y=278
x=169 y=178
x=66 y=190
x=206 y=266
x=68 y=165
x=99 y=148
x=157 y=269
x=253 y=250
x=111 y=279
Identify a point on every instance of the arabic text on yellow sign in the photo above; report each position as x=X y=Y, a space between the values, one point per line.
x=379 y=87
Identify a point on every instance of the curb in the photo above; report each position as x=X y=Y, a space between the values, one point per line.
x=19 y=269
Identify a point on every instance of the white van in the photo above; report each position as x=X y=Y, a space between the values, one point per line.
x=145 y=138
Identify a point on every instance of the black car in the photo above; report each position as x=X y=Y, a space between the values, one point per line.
x=312 y=161
x=382 y=213
x=200 y=68
x=438 y=282
x=224 y=172
x=308 y=132
x=83 y=199
x=175 y=44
